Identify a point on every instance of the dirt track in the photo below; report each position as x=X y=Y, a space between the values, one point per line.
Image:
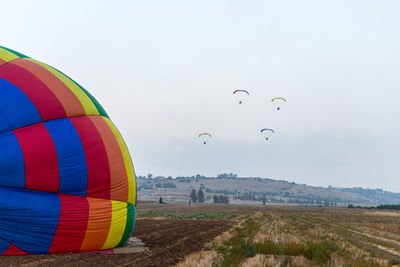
x=169 y=241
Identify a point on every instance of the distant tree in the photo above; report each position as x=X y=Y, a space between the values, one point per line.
x=225 y=199
x=145 y=186
x=200 y=196
x=160 y=200
x=264 y=199
x=350 y=206
x=227 y=176
x=193 y=196
x=169 y=185
x=389 y=207
x=221 y=199
x=149 y=176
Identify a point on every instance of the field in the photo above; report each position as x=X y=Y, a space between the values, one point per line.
x=234 y=235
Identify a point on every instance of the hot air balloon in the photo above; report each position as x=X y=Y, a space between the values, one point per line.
x=204 y=136
x=67 y=182
x=267 y=131
x=278 y=100
x=240 y=94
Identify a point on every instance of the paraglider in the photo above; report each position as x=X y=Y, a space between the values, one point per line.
x=240 y=94
x=279 y=99
x=204 y=136
x=266 y=130
x=67 y=182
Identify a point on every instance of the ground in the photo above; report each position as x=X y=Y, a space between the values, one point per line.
x=169 y=241
x=254 y=236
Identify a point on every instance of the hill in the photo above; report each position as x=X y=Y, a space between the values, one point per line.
x=253 y=190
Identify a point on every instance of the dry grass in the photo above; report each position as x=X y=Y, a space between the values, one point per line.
x=277 y=231
x=383 y=213
x=331 y=238
x=261 y=260
x=299 y=236
x=201 y=259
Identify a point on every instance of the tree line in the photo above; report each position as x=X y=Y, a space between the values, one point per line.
x=198 y=197
x=388 y=207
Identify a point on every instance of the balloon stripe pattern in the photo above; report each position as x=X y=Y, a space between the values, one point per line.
x=67 y=181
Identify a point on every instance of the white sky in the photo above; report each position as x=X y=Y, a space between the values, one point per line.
x=165 y=71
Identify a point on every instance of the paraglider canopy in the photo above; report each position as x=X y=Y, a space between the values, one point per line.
x=267 y=130
x=241 y=91
x=205 y=135
x=244 y=91
x=278 y=98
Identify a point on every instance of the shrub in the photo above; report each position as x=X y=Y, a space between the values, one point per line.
x=394 y=262
x=317 y=252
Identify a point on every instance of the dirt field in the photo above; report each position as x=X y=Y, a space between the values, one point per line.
x=168 y=240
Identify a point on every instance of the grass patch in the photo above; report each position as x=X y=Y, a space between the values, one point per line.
x=241 y=246
x=394 y=262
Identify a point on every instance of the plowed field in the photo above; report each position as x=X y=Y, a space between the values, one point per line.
x=168 y=240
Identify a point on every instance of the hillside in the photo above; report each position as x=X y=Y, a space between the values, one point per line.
x=253 y=190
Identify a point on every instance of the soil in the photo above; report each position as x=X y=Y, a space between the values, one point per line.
x=356 y=238
x=169 y=242
x=366 y=246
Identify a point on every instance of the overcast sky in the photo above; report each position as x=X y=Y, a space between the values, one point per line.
x=165 y=71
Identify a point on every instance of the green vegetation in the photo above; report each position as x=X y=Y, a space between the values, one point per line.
x=165 y=185
x=242 y=246
x=220 y=199
x=389 y=207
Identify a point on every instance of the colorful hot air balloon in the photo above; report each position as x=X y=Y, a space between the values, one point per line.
x=67 y=181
